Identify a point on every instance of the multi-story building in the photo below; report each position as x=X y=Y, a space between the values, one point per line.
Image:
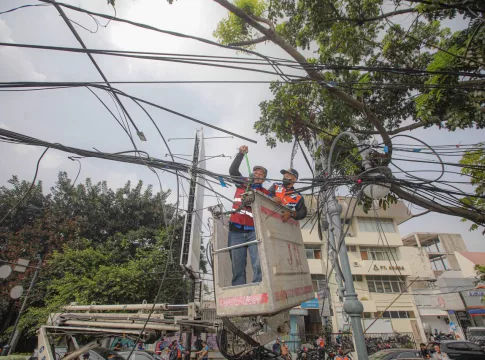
x=440 y=248
x=382 y=270
x=452 y=298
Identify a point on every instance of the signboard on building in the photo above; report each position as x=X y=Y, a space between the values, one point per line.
x=312 y=304
x=451 y=301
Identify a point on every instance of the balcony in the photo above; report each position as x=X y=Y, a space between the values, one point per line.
x=380 y=267
x=316 y=266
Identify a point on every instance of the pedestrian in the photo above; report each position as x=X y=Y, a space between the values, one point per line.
x=321 y=348
x=341 y=356
x=438 y=354
x=204 y=352
x=423 y=351
x=277 y=347
x=241 y=223
x=285 y=353
x=285 y=194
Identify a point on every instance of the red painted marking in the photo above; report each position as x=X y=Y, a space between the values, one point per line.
x=244 y=300
x=285 y=294
x=297 y=255
x=290 y=259
x=276 y=215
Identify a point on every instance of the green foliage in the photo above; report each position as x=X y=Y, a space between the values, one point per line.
x=474 y=165
x=344 y=33
x=99 y=245
x=232 y=29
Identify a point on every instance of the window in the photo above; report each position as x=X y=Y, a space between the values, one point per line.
x=376 y=225
x=367 y=315
x=357 y=278
x=457 y=346
x=380 y=253
x=318 y=281
x=440 y=264
x=385 y=284
x=434 y=246
x=313 y=252
x=351 y=248
x=409 y=355
x=397 y=314
x=473 y=347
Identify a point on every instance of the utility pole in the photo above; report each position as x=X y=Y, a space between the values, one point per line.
x=352 y=306
x=14 y=337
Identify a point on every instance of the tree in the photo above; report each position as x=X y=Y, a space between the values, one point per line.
x=475 y=159
x=369 y=74
x=98 y=244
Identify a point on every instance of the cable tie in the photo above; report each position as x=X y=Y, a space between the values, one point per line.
x=416 y=150
x=359 y=181
x=221 y=180
x=386 y=149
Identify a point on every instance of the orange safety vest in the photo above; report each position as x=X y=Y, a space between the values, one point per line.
x=338 y=357
x=243 y=216
x=289 y=197
x=321 y=343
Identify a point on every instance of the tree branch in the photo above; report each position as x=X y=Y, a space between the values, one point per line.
x=263 y=20
x=312 y=73
x=249 y=42
x=393 y=132
x=375 y=18
x=435 y=207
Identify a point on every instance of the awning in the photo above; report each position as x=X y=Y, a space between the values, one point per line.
x=476 y=312
x=432 y=312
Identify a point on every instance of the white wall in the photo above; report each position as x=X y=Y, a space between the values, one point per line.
x=466 y=266
x=432 y=322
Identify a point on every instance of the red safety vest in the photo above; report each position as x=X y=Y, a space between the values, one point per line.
x=244 y=216
x=289 y=197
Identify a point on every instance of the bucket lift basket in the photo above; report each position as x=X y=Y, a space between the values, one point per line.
x=286 y=280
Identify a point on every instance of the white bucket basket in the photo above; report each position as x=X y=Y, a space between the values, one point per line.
x=286 y=280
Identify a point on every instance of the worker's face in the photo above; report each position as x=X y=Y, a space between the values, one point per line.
x=258 y=176
x=437 y=349
x=290 y=179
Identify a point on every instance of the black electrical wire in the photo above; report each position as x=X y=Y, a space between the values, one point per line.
x=22 y=7
x=28 y=191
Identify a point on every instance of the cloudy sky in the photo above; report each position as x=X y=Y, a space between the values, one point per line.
x=76 y=118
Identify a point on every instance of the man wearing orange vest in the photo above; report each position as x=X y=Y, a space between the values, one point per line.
x=341 y=356
x=241 y=223
x=285 y=194
x=321 y=348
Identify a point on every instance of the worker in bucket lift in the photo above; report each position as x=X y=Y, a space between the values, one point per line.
x=241 y=223
x=285 y=194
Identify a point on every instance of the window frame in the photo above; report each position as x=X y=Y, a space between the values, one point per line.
x=371 y=225
x=381 y=283
x=316 y=252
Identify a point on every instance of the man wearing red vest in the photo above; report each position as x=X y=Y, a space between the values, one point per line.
x=285 y=194
x=241 y=223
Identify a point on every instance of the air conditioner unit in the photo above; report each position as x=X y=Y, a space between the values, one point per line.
x=356 y=264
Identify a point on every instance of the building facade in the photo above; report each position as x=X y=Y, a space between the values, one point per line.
x=453 y=302
x=382 y=270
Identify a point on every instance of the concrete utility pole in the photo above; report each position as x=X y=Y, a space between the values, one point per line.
x=14 y=337
x=352 y=306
